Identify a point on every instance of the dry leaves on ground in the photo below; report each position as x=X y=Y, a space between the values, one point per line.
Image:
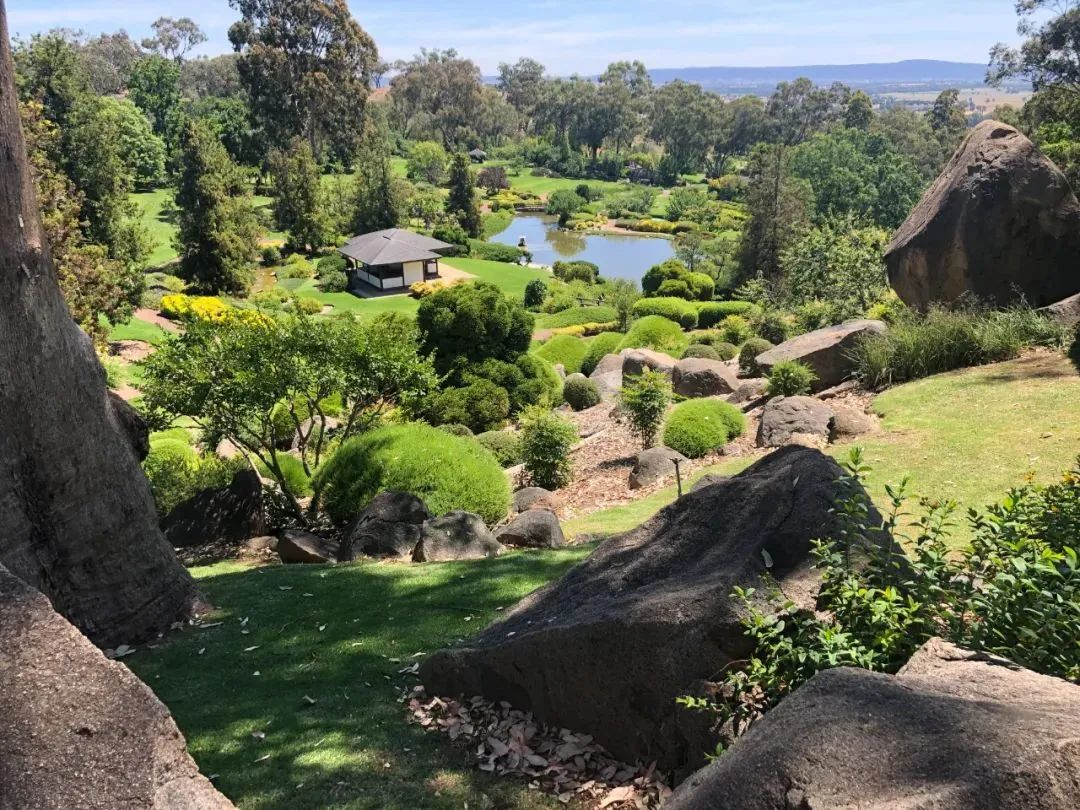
x=559 y=762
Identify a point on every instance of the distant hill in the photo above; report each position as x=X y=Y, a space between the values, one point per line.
x=909 y=75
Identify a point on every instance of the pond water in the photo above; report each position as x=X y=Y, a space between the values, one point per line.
x=617 y=255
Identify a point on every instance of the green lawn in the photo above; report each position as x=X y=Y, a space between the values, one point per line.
x=162 y=228
x=137 y=330
x=967 y=436
x=310 y=657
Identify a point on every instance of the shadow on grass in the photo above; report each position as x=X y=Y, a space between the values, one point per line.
x=292 y=701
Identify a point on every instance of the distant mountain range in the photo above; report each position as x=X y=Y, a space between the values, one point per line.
x=911 y=75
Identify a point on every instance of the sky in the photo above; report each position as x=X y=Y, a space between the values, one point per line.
x=583 y=36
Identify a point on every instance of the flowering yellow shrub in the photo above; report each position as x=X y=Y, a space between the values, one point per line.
x=586 y=329
x=207 y=308
x=422 y=289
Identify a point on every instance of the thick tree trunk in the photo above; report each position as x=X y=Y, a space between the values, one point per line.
x=76 y=518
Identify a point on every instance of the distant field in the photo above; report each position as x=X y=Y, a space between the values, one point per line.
x=984 y=99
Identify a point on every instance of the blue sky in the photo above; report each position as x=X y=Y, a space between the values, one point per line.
x=584 y=35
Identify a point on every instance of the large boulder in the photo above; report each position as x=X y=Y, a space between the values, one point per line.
x=608 y=648
x=535 y=498
x=608 y=376
x=786 y=418
x=1000 y=222
x=132 y=426
x=637 y=361
x=826 y=351
x=1066 y=313
x=78 y=730
x=297 y=547
x=954 y=730
x=229 y=514
x=655 y=465
x=534 y=528
x=388 y=527
x=456 y=536
x=696 y=377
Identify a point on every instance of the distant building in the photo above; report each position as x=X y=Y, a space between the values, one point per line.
x=393 y=259
x=478 y=155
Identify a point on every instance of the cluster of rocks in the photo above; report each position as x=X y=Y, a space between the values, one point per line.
x=399 y=526
x=607 y=649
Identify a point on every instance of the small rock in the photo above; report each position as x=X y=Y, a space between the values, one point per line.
x=654 y=465
x=536 y=498
x=535 y=528
x=299 y=547
x=456 y=536
x=636 y=361
x=697 y=377
x=850 y=423
x=787 y=417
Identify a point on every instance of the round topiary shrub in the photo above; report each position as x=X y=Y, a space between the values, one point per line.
x=697 y=427
x=447 y=472
x=506 y=447
x=790 y=378
x=749 y=353
x=600 y=347
x=581 y=393
x=568 y=350
x=702 y=351
x=727 y=351
x=657 y=333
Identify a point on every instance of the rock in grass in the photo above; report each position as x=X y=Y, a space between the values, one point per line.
x=388 y=527
x=304 y=548
x=231 y=514
x=786 y=418
x=1000 y=223
x=534 y=528
x=828 y=352
x=953 y=730
x=607 y=649
x=655 y=465
x=78 y=730
x=536 y=498
x=456 y=536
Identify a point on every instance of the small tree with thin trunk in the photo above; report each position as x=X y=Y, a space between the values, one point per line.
x=645 y=400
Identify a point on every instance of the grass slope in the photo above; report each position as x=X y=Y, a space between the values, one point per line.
x=339 y=636
x=967 y=436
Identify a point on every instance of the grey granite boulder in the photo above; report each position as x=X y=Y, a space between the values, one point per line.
x=785 y=418
x=534 y=528
x=696 y=377
x=655 y=465
x=456 y=536
x=388 y=527
x=298 y=547
x=827 y=352
x=636 y=361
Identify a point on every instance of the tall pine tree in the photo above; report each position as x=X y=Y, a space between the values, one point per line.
x=376 y=207
x=300 y=206
x=218 y=236
x=462 y=201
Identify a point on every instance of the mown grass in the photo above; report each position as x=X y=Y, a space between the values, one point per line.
x=137 y=329
x=966 y=436
x=311 y=657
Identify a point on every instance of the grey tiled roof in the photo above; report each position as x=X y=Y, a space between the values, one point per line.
x=394 y=246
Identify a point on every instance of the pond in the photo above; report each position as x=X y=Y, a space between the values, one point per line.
x=617 y=255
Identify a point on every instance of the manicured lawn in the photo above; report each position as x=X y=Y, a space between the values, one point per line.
x=311 y=657
x=967 y=436
x=137 y=330
x=510 y=278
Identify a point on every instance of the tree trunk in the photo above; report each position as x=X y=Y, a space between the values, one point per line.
x=77 y=521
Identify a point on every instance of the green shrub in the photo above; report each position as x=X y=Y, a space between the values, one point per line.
x=307 y=305
x=674 y=309
x=943 y=340
x=697 y=427
x=581 y=393
x=506 y=447
x=482 y=406
x=749 y=353
x=447 y=472
x=735 y=329
x=715 y=341
x=292 y=469
x=177 y=472
x=546 y=442
x=645 y=400
x=599 y=347
x=655 y=332
x=702 y=287
x=494 y=251
x=576 y=271
x=674 y=288
x=334 y=263
x=575 y=316
x=296 y=266
x=713 y=312
x=816 y=315
x=457 y=430
x=535 y=294
x=270 y=255
x=790 y=378
x=565 y=349
x=774 y=326
x=333 y=282
x=702 y=351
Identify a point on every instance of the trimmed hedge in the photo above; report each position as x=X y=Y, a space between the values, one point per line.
x=702 y=351
x=712 y=312
x=565 y=349
x=447 y=472
x=599 y=347
x=655 y=332
x=506 y=447
x=494 y=252
x=697 y=427
x=678 y=310
x=576 y=316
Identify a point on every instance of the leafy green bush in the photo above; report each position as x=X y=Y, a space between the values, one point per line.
x=292 y=468
x=944 y=340
x=645 y=400
x=296 y=266
x=790 y=378
x=702 y=351
x=482 y=406
x=576 y=316
x=335 y=263
x=506 y=447
x=655 y=332
x=1011 y=592
x=735 y=329
x=177 y=472
x=774 y=326
x=674 y=309
x=599 y=347
x=546 y=441
x=307 y=305
x=713 y=312
x=333 y=282
x=581 y=393
x=576 y=271
x=749 y=353
x=565 y=349
x=697 y=427
x=535 y=293
x=270 y=255
x=447 y=472
x=715 y=341
x=702 y=287
x=494 y=251
x=675 y=288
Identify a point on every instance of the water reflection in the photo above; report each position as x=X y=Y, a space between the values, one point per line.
x=617 y=255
